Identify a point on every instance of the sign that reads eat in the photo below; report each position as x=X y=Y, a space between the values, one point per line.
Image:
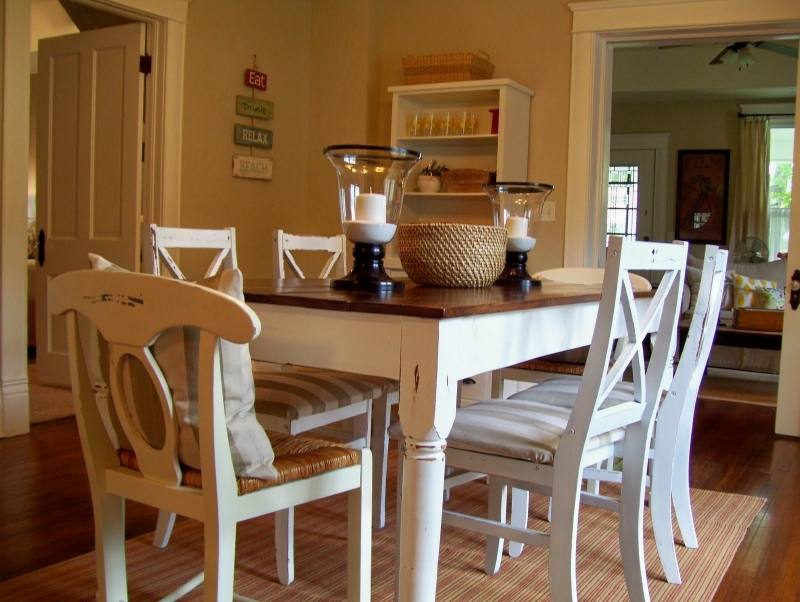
x=255 y=79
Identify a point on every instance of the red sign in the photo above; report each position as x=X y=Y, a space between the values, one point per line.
x=255 y=79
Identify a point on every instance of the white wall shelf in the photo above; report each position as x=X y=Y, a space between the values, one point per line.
x=409 y=141
x=505 y=152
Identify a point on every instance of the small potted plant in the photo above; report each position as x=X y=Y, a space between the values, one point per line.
x=429 y=179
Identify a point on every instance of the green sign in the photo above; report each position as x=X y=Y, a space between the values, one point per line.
x=254 y=107
x=247 y=136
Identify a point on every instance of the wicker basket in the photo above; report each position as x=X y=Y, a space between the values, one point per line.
x=464 y=180
x=452 y=255
x=452 y=67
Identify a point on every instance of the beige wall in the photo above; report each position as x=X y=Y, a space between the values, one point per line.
x=221 y=39
x=343 y=104
x=330 y=63
x=690 y=125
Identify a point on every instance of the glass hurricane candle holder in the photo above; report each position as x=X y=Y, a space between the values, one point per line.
x=516 y=206
x=371 y=182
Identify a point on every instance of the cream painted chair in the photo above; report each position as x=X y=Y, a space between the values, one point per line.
x=284 y=245
x=669 y=469
x=287 y=401
x=284 y=261
x=569 y=362
x=130 y=311
x=533 y=445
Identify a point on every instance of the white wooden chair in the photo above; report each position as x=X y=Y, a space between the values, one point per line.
x=284 y=246
x=669 y=470
x=530 y=444
x=292 y=401
x=569 y=362
x=161 y=239
x=130 y=311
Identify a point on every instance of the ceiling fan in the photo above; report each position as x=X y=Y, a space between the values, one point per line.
x=738 y=53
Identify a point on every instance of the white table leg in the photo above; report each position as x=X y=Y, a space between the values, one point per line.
x=423 y=481
x=427 y=410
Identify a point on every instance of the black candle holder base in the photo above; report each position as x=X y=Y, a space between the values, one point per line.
x=368 y=274
x=515 y=274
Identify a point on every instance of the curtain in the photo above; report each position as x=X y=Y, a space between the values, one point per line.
x=749 y=211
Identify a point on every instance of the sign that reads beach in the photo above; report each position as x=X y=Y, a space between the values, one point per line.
x=254 y=107
x=247 y=166
x=249 y=136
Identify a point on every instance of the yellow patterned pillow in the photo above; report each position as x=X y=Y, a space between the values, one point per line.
x=744 y=287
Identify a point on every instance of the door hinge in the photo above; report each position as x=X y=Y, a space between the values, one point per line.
x=145 y=64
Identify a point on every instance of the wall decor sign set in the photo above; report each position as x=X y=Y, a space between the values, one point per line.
x=253 y=166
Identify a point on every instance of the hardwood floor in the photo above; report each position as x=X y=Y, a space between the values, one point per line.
x=45 y=509
x=45 y=513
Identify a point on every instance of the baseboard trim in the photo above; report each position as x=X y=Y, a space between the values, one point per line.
x=14 y=407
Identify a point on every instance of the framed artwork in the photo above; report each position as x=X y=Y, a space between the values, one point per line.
x=701 y=208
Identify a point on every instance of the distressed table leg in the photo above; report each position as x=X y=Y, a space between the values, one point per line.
x=423 y=481
x=427 y=411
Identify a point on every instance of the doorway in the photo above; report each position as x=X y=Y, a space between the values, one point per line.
x=167 y=20
x=596 y=29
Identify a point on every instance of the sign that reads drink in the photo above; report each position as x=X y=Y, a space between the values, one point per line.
x=255 y=79
x=249 y=136
x=254 y=107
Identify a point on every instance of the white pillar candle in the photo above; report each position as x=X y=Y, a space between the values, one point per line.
x=371 y=207
x=517 y=227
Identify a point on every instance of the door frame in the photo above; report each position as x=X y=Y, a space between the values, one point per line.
x=166 y=20
x=596 y=27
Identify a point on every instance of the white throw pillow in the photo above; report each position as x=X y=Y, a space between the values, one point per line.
x=176 y=352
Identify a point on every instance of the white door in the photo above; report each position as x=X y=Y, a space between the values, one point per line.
x=787 y=418
x=630 y=195
x=88 y=165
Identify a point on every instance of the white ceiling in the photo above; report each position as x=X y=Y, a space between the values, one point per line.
x=651 y=73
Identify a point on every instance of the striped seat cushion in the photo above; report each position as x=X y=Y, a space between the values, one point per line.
x=292 y=395
x=517 y=428
x=562 y=391
x=295 y=458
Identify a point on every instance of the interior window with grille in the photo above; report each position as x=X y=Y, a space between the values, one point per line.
x=621 y=215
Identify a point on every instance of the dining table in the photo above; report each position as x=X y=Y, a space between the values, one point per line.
x=428 y=339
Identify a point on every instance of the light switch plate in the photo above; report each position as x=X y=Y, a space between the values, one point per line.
x=549 y=211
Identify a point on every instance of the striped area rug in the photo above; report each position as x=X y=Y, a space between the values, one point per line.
x=722 y=520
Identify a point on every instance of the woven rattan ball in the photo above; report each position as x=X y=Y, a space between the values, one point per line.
x=452 y=255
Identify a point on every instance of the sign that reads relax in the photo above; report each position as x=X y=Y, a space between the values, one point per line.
x=248 y=136
x=254 y=107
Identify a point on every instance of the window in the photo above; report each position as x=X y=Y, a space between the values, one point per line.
x=623 y=195
x=781 y=145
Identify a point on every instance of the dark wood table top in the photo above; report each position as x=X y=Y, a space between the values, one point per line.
x=416 y=300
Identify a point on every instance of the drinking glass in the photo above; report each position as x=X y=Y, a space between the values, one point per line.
x=426 y=124
x=413 y=124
